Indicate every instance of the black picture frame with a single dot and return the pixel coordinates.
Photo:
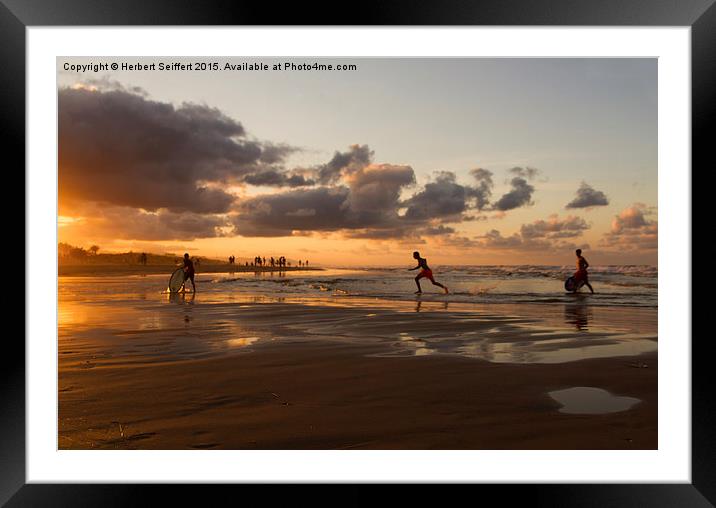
(700, 15)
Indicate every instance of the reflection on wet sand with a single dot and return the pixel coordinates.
(586, 400)
(181, 297)
(234, 369)
(139, 327)
(442, 305)
(578, 314)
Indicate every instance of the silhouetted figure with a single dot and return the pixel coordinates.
(189, 271)
(424, 272)
(581, 274)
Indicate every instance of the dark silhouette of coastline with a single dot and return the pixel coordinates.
(117, 269)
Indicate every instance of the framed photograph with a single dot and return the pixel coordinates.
(442, 244)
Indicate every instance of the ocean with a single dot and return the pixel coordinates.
(631, 285)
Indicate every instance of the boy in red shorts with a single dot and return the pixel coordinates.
(424, 272)
(581, 274)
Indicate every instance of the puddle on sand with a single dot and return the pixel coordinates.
(590, 401)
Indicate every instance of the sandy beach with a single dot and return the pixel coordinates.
(236, 368)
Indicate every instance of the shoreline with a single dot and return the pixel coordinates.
(112, 270)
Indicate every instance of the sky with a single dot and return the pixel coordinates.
(469, 161)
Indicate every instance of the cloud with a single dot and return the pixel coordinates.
(367, 203)
(520, 195)
(151, 170)
(554, 227)
(439, 230)
(528, 172)
(278, 178)
(442, 199)
(356, 158)
(588, 197)
(632, 229)
(376, 188)
(540, 235)
(132, 224)
(317, 209)
(105, 83)
(631, 218)
(483, 191)
(384, 234)
(123, 149)
(493, 239)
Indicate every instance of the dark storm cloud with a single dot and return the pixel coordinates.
(439, 230)
(357, 157)
(278, 178)
(123, 149)
(483, 191)
(443, 198)
(588, 197)
(276, 153)
(368, 202)
(156, 171)
(377, 187)
(364, 201)
(520, 195)
(318, 209)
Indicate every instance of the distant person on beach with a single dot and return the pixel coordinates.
(581, 274)
(189, 271)
(424, 272)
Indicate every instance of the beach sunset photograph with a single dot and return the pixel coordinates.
(357, 253)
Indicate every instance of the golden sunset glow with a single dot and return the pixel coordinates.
(142, 168)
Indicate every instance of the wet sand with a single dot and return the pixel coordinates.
(240, 372)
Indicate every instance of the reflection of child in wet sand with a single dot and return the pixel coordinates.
(424, 272)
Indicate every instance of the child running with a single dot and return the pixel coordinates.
(425, 272)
